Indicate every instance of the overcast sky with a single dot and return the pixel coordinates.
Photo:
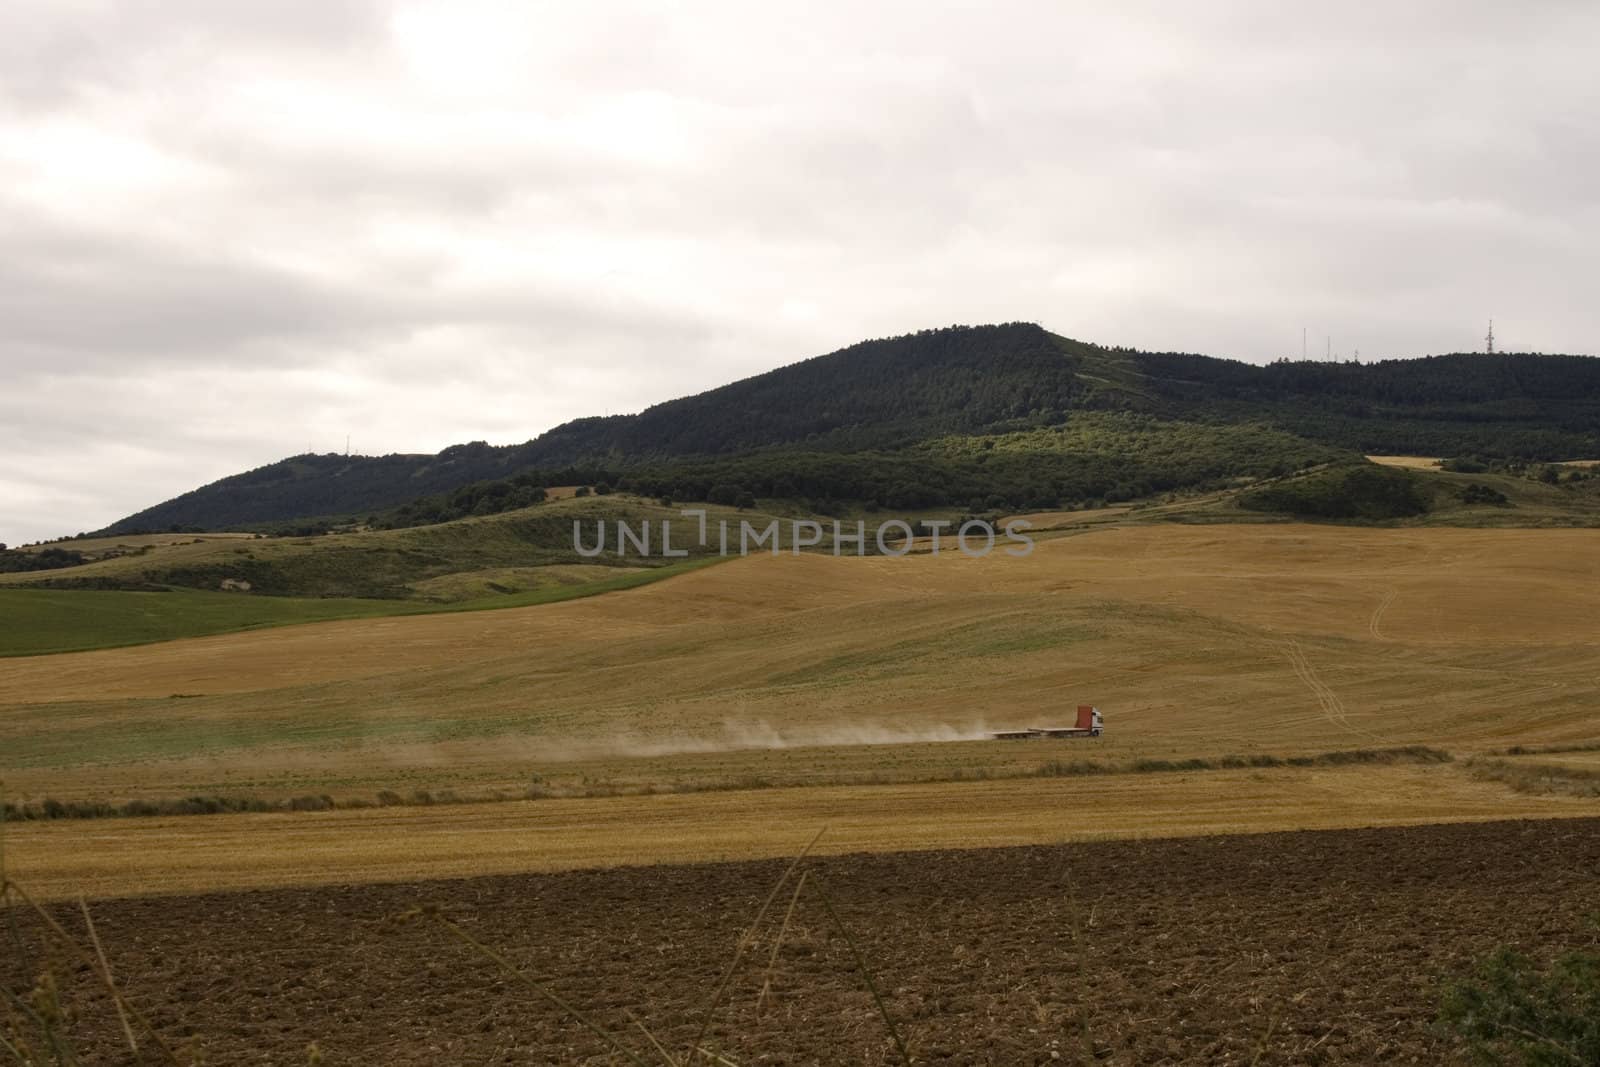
(235, 231)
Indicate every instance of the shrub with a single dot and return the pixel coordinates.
(1478, 493)
(45, 560)
(1354, 491)
(1512, 1011)
(1149, 766)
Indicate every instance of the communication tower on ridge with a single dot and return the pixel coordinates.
(1489, 340)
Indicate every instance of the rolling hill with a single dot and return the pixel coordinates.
(1204, 641)
(839, 421)
(135, 589)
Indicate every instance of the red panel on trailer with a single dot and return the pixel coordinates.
(1085, 716)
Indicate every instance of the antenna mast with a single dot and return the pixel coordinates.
(1489, 340)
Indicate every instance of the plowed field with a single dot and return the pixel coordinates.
(1297, 948)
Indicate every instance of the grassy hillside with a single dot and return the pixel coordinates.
(851, 426)
(1501, 500)
(155, 587)
(40, 621)
(139, 589)
(1409, 491)
(34, 621)
(135, 590)
(515, 550)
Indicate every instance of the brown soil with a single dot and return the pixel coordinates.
(1307, 948)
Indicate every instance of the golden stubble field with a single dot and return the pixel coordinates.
(1197, 641)
(191, 854)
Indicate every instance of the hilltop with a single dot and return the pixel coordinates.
(859, 423)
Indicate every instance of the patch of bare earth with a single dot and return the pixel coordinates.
(1302, 948)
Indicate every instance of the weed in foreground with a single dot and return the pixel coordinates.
(1510, 1010)
(35, 1024)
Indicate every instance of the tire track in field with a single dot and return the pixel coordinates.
(1333, 708)
(1374, 624)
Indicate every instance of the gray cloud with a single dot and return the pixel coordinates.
(232, 231)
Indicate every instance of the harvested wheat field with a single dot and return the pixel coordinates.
(863, 676)
(1281, 949)
(1416, 463)
(1197, 640)
(115, 857)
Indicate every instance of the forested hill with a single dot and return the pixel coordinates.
(877, 394)
(1512, 405)
(886, 396)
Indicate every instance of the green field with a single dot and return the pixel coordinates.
(38, 621)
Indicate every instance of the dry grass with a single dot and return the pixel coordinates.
(569, 786)
(1199, 642)
(561, 492)
(1056, 520)
(1415, 463)
(94, 546)
(174, 855)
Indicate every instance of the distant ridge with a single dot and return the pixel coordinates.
(893, 394)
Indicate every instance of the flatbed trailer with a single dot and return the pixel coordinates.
(1090, 724)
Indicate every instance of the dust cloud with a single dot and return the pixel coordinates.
(751, 736)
